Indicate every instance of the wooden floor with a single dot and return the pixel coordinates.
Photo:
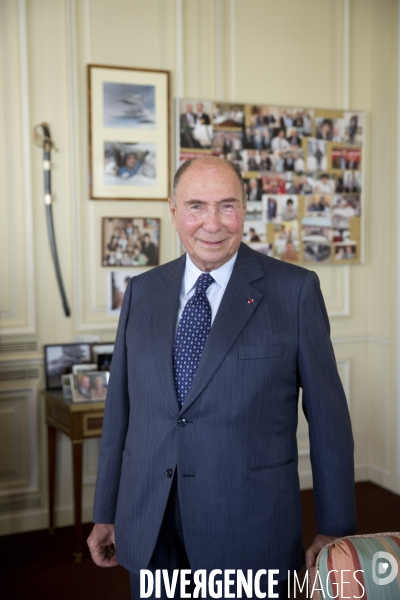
(37, 566)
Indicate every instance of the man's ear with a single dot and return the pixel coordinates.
(172, 210)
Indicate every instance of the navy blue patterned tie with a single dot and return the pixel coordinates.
(193, 329)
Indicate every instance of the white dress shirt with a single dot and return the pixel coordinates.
(214, 292)
(279, 143)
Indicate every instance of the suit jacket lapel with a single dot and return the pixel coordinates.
(232, 316)
(165, 312)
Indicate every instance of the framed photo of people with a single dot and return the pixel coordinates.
(128, 133)
(303, 170)
(130, 242)
(89, 386)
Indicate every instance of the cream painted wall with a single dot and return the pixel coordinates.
(272, 51)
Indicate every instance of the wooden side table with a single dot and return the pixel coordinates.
(80, 421)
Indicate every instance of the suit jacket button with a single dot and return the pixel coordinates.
(182, 422)
(168, 472)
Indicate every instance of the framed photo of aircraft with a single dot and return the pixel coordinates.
(128, 133)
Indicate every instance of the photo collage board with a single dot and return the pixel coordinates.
(302, 168)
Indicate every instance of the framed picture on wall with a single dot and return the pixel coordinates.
(128, 133)
(117, 282)
(130, 242)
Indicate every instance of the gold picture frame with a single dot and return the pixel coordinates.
(129, 133)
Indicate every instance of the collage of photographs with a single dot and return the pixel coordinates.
(302, 169)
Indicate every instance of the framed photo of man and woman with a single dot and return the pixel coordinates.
(128, 133)
(90, 386)
(303, 171)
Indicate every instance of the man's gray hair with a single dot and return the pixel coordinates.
(188, 163)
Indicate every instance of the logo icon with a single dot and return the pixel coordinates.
(381, 574)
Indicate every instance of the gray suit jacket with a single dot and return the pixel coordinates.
(236, 457)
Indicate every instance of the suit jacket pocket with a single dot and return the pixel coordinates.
(266, 351)
(284, 463)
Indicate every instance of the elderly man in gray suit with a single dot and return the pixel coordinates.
(198, 462)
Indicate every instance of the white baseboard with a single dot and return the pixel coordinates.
(387, 480)
(64, 516)
(23, 521)
(39, 519)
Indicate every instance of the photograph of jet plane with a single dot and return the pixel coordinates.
(129, 106)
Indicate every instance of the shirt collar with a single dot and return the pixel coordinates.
(220, 275)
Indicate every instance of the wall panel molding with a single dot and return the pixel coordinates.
(9, 311)
(362, 339)
(335, 285)
(19, 444)
(219, 51)
(397, 263)
(180, 65)
(20, 316)
(26, 146)
(232, 28)
(346, 54)
(74, 152)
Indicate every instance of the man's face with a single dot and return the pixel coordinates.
(130, 161)
(189, 108)
(209, 213)
(253, 184)
(85, 383)
(98, 383)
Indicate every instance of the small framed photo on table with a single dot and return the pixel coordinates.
(102, 356)
(59, 360)
(128, 133)
(66, 386)
(89, 386)
(83, 368)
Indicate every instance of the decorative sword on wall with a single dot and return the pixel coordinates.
(43, 139)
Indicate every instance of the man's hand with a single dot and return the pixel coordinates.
(311, 556)
(101, 544)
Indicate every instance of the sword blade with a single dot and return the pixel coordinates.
(52, 240)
